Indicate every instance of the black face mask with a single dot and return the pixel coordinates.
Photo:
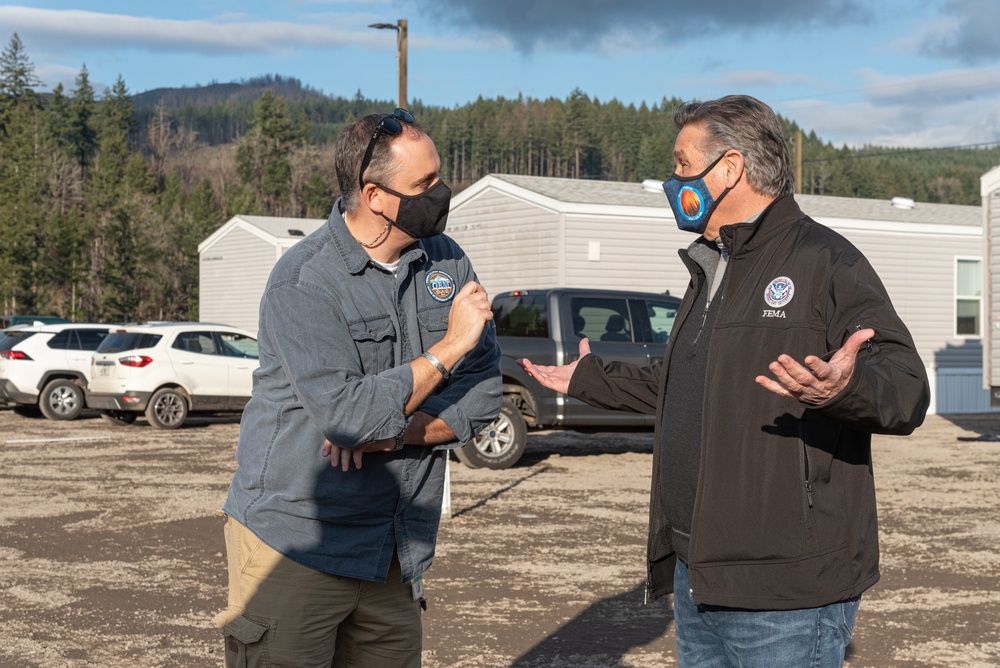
(424, 215)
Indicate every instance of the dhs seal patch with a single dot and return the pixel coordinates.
(440, 285)
(779, 292)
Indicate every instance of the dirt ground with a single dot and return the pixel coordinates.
(110, 554)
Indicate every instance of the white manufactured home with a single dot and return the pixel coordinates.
(990, 190)
(525, 232)
(235, 261)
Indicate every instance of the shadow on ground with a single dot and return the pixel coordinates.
(603, 634)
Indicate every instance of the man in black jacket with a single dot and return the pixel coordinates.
(762, 510)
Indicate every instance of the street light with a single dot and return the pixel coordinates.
(400, 28)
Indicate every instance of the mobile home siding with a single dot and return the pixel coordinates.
(513, 245)
(233, 273)
(635, 253)
(991, 232)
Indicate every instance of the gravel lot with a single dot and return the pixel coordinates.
(110, 554)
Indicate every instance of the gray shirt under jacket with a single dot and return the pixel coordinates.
(337, 334)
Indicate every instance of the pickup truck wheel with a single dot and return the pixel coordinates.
(500, 444)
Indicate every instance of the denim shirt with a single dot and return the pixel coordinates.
(337, 334)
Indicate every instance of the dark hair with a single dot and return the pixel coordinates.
(749, 126)
(351, 147)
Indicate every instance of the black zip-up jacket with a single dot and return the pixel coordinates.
(784, 514)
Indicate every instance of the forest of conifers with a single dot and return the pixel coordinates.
(105, 196)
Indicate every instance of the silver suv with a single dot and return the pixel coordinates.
(47, 367)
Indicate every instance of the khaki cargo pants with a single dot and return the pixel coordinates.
(284, 614)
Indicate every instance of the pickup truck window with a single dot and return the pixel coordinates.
(521, 315)
(661, 319)
(601, 319)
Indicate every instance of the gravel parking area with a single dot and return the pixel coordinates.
(110, 554)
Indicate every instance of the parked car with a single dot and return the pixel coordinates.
(169, 370)
(546, 326)
(11, 320)
(47, 367)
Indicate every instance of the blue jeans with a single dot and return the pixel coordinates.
(716, 637)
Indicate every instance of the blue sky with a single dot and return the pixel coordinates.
(918, 73)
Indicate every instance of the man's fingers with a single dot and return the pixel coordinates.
(327, 448)
(356, 453)
(856, 340)
(584, 347)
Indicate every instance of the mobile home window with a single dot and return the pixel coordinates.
(969, 298)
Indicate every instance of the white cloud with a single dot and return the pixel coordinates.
(73, 28)
(904, 125)
(939, 88)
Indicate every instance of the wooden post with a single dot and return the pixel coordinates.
(401, 30)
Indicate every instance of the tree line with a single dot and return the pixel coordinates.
(105, 198)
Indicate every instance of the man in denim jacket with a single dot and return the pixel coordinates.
(377, 350)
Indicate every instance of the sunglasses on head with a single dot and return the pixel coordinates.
(389, 125)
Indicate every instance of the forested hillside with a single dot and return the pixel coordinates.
(104, 196)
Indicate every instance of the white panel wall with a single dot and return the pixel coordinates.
(991, 206)
(233, 274)
(635, 253)
(513, 245)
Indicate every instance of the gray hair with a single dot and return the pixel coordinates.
(749, 126)
(351, 147)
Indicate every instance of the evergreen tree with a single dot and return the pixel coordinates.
(262, 158)
(82, 111)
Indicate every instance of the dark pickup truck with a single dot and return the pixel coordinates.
(546, 327)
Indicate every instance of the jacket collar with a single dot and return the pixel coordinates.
(774, 220)
(354, 256)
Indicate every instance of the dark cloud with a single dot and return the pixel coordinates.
(971, 36)
(577, 24)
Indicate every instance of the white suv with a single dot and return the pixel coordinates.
(169, 370)
(47, 367)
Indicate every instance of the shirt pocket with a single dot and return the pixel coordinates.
(433, 324)
(373, 338)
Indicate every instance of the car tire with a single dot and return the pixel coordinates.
(167, 409)
(500, 444)
(61, 399)
(119, 418)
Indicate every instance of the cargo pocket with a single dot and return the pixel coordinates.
(373, 338)
(246, 643)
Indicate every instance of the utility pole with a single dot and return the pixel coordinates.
(401, 27)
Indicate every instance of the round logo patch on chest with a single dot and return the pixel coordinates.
(440, 285)
(779, 292)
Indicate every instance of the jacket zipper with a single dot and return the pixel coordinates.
(807, 487)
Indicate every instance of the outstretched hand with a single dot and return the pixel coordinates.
(817, 382)
(555, 377)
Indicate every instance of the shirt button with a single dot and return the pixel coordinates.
(399, 519)
(406, 476)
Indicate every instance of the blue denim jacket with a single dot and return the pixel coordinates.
(336, 336)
